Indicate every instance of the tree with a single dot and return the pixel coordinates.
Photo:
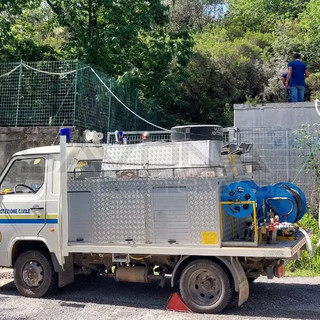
(190, 60)
(194, 15)
(123, 38)
(223, 72)
(129, 40)
(29, 32)
(309, 34)
(262, 15)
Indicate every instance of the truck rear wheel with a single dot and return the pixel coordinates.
(206, 287)
(34, 275)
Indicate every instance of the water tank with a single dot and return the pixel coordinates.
(196, 133)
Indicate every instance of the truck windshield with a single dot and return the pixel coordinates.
(24, 176)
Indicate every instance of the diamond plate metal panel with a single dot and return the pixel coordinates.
(124, 208)
(204, 208)
(121, 209)
(162, 155)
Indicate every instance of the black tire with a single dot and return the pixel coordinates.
(34, 275)
(206, 287)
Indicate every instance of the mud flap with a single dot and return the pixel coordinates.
(66, 276)
(243, 292)
(242, 281)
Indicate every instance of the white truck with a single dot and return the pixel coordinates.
(137, 213)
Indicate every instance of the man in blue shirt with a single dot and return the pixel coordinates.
(297, 71)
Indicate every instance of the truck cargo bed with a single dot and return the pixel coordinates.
(280, 249)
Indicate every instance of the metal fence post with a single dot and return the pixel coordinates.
(75, 94)
(19, 92)
(109, 109)
(288, 154)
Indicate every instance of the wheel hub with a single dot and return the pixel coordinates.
(208, 284)
(206, 288)
(32, 274)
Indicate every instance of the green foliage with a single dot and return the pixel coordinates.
(195, 15)
(307, 265)
(127, 39)
(130, 40)
(190, 60)
(222, 72)
(274, 90)
(286, 41)
(310, 26)
(253, 100)
(313, 81)
(29, 32)
(262, 15)
(307, 140)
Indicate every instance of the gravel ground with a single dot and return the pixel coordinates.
(101, 298)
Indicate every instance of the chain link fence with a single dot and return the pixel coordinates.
(276, 157)
(66, 93)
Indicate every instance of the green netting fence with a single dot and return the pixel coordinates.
(67, 93)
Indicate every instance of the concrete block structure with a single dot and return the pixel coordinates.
(275, 115)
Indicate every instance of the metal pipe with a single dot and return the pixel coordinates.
(75, 94)
(19, 92)
(308, 241)
(315, 247)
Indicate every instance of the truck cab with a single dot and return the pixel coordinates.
(29, 201)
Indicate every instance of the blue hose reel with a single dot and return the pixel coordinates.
(237, 192)
(283, 199)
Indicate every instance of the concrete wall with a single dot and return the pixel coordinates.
(13, 139)
(275, 115)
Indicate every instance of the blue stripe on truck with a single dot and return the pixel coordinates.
(11, 221)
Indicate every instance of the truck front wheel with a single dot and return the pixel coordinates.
(33, 274)
(206, 287)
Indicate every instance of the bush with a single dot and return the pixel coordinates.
(307, 265)
(314, 84)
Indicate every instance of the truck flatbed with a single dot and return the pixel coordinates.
(280, 249)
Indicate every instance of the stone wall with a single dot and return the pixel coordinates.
(14, 139)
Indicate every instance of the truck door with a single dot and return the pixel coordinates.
(22, 198)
